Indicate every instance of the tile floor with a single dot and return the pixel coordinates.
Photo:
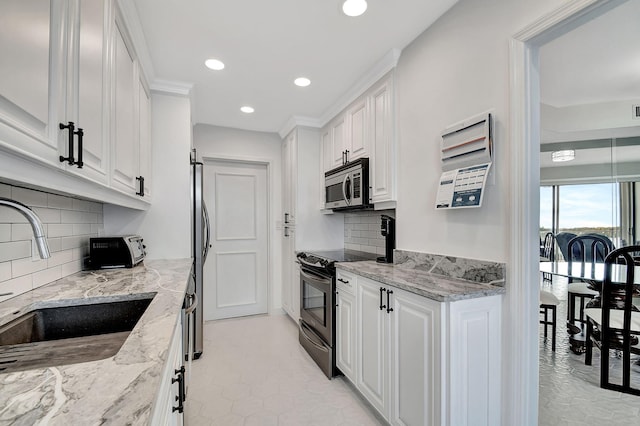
(254, 372)
(570, 392)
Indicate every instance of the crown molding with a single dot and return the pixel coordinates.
(171, 87)
(388, 62)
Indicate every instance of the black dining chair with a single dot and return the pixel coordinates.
(562, 240)
(547, 254)
(586, 250)
(616, 324)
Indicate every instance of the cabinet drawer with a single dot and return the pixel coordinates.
(346, 281)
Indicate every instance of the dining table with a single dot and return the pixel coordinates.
(593, 274)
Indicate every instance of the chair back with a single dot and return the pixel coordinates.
(617, 293)
(548, 247)
(563, 239)
(589, 248)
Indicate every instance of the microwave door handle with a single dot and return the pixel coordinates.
(344, 189)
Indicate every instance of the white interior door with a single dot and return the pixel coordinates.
(236, 271)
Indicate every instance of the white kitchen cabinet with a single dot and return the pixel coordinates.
(32, 69)
(382, 166)
(290, 284)
(415, 356)
(372, 337)
(144, 136)
(346, 324)
(419, 361)
(356, 143)
(338, 141)
(165, 410)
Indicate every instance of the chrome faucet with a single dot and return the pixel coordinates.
(34, 221)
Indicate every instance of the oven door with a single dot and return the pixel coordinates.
(316, 303)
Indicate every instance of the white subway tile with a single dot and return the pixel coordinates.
(9, 215)
(26, 266)
(71, 216)
(81, 229)
(14, 250)
(5, 190)
(380, 250)
(16, 286)
(55, 244)
(352, 246)
(71, 267)
(77, 253)
(362, 226)
(97, 229)
(47, 215)
(47, 276)
(21, 232)
(368, 249)
(59, 202)
(5, 232)
(71, 242)
(60, 230)
(29, 197)
(60, 257)
(5, 271)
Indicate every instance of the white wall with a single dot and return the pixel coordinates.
(228, 143)
(166, 226)
(456, 69)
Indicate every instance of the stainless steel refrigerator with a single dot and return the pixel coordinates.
(200, 239)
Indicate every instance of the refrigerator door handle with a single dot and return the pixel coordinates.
(207, 228)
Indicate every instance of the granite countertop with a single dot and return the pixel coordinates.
(427, 284)
(117, 390)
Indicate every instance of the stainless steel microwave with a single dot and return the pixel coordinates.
(347, 186)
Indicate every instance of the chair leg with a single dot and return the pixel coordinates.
(588, 344)
(553, 329)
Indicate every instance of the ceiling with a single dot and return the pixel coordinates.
(597, 62)
(265, 45)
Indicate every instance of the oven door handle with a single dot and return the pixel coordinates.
(194, 303)
(316, 278)
(304, 327)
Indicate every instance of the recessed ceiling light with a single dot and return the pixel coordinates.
(354, 7)
(302, 81)
(564, 155)
(247, 109)
(214, 64)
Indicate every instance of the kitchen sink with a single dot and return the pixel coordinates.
(69, 334)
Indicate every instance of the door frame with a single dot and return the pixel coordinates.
(520, 379)
(270, 185)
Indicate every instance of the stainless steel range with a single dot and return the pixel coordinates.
(317, 303)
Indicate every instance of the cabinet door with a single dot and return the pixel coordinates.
(338, 130)
(168, 391)
(144, 125)
(357, 138)
(125, 146)
(382, 170)
(89, 92)
(327, 150)
(31, 87)
(415, 345)
(346, 334)
(372, 346)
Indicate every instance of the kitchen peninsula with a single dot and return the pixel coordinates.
(117, 390)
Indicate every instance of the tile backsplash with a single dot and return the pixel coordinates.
(68, 225)
(362, 230)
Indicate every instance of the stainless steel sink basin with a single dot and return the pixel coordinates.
(69, 334)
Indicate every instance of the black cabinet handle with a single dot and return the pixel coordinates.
(343, 281)
(286, 218)
(346, 156)
(381, 305)
(389, 308)
(71, 127)
(286, 231)
(80, 134)
(180, 397)
(141, 180)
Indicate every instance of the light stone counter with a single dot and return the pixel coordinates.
(428, 284)
(119, 390)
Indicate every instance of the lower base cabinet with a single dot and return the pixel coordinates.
(418, 361)
(169, 405)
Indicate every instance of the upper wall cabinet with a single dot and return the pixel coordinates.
(367, 129)
(71, 89)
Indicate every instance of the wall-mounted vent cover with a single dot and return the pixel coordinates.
(636, 112)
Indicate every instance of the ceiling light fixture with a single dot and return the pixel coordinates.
(302, 81)
(564, 155)
(214, 64)
(354, 7)
(247, 109)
